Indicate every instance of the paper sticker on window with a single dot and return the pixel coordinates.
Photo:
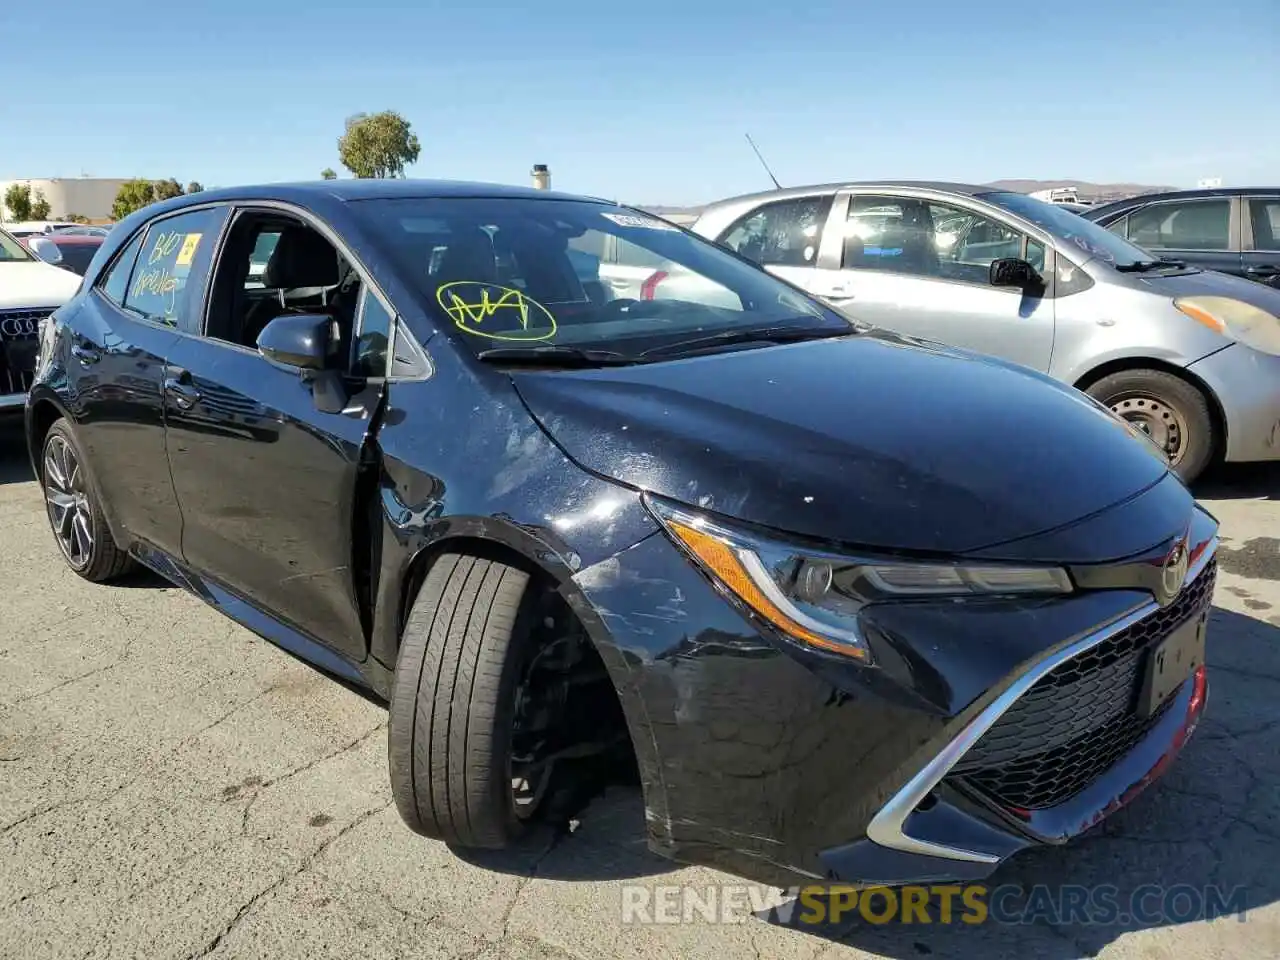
(632, 220)
(495, 312)
(188, 251)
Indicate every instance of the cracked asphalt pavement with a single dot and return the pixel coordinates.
(172, 786)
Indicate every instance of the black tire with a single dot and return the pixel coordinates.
(1126, 392)
(453, 700)
(103, 560)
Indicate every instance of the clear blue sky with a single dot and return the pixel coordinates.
(648, 101)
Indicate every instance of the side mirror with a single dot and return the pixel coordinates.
(298, 340)
(1014, 272)
(46, 250)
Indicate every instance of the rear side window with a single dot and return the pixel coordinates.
(1184, 225)
(1265, 214)
(166, 284)
(116, 282)
(786, 233)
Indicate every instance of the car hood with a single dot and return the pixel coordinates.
(1210, 283)
(35, 284)
(874, 440)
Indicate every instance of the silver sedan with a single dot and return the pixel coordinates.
(1191, 357)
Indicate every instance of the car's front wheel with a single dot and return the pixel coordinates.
(1168, 409)
(454, 730)
(74, 513)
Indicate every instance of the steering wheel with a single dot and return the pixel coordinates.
(630, 307)
(612, 309)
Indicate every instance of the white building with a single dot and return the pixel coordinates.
(90, 197)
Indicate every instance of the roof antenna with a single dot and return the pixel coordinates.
(762, 163)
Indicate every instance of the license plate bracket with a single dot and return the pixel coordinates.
(1169, 665)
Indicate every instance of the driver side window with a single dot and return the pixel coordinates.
(968, 242)
(273, 265)
(373, 339)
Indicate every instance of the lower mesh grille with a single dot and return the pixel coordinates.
(1080, 718)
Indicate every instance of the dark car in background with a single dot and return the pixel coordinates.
(834, 593)
(72, 251)
(1234, 230)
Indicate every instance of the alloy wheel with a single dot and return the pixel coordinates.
(1159, 420)
(66, 494)
(539, 702)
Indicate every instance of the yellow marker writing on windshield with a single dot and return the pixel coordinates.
(469, 304)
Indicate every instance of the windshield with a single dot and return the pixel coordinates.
(569, 274)
(1091, 239)
(11, 249)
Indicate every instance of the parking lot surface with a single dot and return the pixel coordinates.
(173, 786)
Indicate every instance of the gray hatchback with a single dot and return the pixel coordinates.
(1191, 357)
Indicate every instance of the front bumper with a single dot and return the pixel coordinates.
(787, 766)
(1247, 385)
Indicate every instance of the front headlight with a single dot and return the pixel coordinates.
(1236, 319)
(814, 596)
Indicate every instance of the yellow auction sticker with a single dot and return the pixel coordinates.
(188, 251)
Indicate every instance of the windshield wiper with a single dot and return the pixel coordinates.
(555, 355)
(1142, 266)
(785, 334)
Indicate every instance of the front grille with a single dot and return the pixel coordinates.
(19, 344)
(1080, 718)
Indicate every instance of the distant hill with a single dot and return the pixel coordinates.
(1094, 192)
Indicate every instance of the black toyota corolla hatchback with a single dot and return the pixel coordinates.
(559, 480)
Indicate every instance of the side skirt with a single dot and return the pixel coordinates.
(370, 680)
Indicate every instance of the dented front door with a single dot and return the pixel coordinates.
(267, 482)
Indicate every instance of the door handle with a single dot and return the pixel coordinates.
(86, 355)
(183, 394)
(1263, 270)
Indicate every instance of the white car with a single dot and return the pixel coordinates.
(30, 290)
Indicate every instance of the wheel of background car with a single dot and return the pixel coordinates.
(454, 701)
(1173, 412)
(79, 527)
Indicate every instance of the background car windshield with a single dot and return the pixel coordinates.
(1087, 236)
(11, 249)
(520, 272)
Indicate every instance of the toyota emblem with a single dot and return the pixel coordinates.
(1173, 573)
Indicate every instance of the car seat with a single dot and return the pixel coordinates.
(303, 272)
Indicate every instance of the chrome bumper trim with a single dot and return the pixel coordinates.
(887, 828)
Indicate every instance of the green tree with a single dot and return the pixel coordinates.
(18, 201)
(328, 174)
(168, 189)
(41, 209)
(76, 218)
(132, 195)
(377, 145)
(195, 186)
